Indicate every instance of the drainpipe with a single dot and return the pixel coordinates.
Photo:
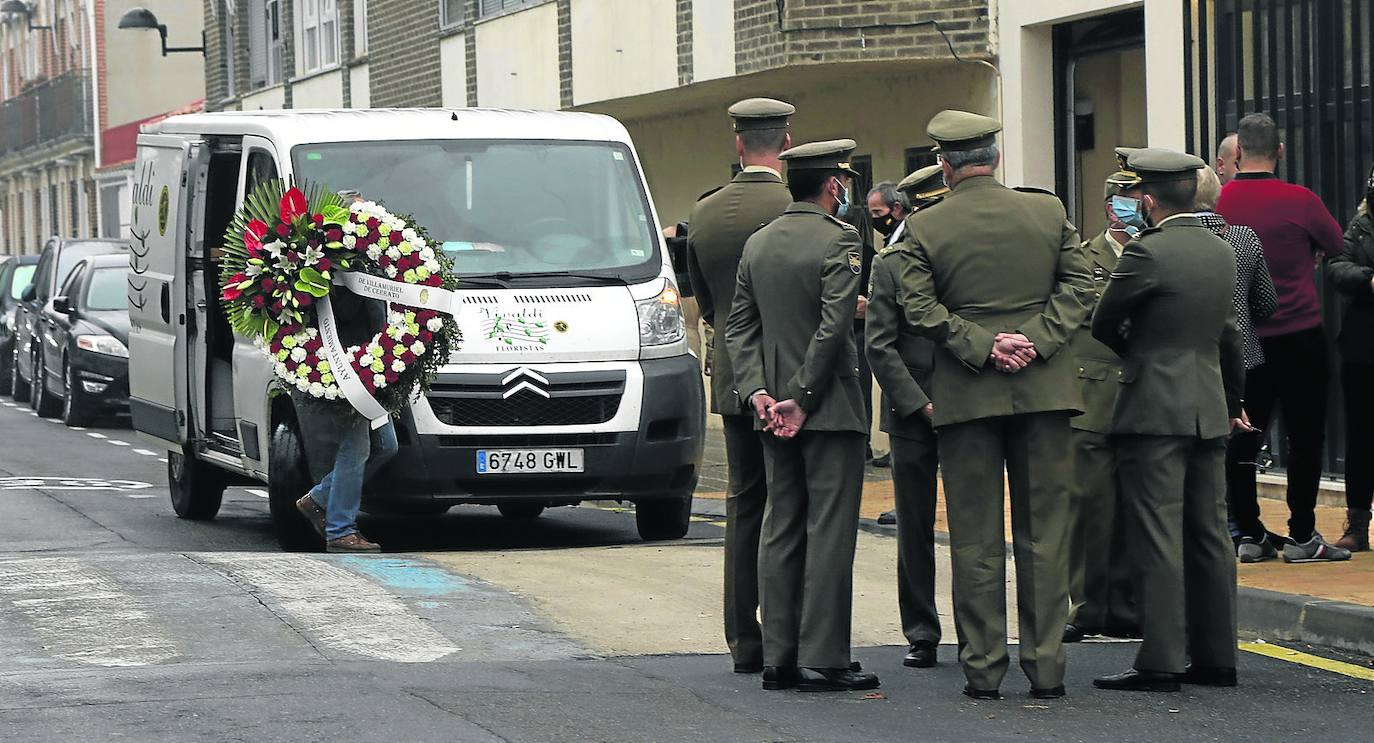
(95, 110)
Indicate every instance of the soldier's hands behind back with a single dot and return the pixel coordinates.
(786, 419)
(1011, 352)
(763, 405)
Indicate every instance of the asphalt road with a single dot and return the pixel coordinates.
(120, 622)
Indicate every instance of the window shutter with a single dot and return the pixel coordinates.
(491, 6)
(257, 43)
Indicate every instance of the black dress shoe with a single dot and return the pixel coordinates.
(1072, 633)
(1056, 692)
(835, 679)
(749, 667)
(973, 693)
(887, 518)
(1203, 676)
(884, 461)
(778, 677)
(1121, 632)
(921, 655)
(855, 666)
(1134, 680)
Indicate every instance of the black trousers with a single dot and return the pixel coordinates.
(743, 520)
(915, 462)
(1357, 382)
(1292, 379)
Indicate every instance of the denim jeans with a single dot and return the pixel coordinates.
(340, 493)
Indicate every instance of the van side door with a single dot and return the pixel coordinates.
(167, 167)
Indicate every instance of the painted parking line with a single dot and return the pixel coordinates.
(1278, 652)
(96, 435)
(145, 452)
(117, 442)
(258, 492)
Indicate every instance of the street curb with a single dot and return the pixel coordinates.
(1260, 612)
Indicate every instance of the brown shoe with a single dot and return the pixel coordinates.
(1356, 537)
(352, 543)
(312, 513)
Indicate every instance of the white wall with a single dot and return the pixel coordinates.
(517, 59)
(453, 71)
(324, 90)
(360, 86)
(267, 98)
(713, 39)
(622, 48)
(139, 81)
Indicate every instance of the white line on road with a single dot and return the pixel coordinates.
(95, 435)
(334, 607)
(162, 459)
(117, 442)
(78, 428)
(145, 452)
(258, 492)
(81, 615)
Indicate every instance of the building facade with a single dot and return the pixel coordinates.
(73, 91)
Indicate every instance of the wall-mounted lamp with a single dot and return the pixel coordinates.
(19, 7)
(142, 18)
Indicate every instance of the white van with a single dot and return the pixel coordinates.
(573, 381)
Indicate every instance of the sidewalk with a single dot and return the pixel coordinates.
(1324, 603)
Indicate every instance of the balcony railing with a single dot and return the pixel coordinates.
(54, 109)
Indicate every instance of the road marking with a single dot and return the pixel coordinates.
(258, 492)
(721, 523)
(95, 435)
(78, 428)
(1279, 652)
(145, 452)
(117, 442)
(7, 404)
(69, 483)
(81, 615)
(162, 459)
(334, 607)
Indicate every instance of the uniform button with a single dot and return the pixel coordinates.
(1081, 370)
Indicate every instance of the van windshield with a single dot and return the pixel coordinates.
(505, 207)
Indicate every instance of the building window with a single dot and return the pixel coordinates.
(228, 47)
(54, 224)
(359, 28)
(73, 207)
(450, 13)
(319, 23)
(264, 43)
(919, 157)
(492, 7)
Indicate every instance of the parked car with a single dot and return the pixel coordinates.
(15, 273)
(55, 263)
(88, 323)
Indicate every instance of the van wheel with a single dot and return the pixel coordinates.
(520, 511)
(197, 488)
(288, 479)
(663, 519)
(19, 388)
(76, 411)
(46, 403)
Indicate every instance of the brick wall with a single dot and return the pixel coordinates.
(758, 41)
(684, 42)
(565, 61)
(403, 45)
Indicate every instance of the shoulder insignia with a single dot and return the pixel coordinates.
(709, 192)
(856, 262)
(890, 249)
(841, 222)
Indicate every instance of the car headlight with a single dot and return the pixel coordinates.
(660, 318)
(105, 344)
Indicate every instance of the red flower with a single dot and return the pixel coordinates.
(304, 300)
(383, 260)
(231, 293)
(434, 280)
(268, 284)
(283, 229)
(259, 301)
(407, 358)
(275, 346)
(291, 329)
(292, 204)
(323, 264)
(372, 223)
(313, 345)
(253, 233)
(394, 237)
(407, 339)
(426, 337)
(386, 341)
(314, 375)
(333, 234)
(391, 377)
(293, 256)
(318, 219)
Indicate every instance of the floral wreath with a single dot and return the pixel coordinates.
(284, 249)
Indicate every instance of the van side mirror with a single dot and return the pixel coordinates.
(62, 305)
(29, 294)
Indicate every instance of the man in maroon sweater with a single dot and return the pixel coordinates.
(1296, 231)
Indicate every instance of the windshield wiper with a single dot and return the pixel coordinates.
(602, 278)
(486, 281)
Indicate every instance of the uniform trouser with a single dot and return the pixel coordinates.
(866, 385)
(1185, 570)
(914, 465)
(743, 520)
(1034, 448)
(1100, 593)
(806, 551)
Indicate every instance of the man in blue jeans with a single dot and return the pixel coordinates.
(332, 506)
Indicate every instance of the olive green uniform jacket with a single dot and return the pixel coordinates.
(791, 328)
(719, 226)
(1099, 368)
(901, 359)
(990, 259)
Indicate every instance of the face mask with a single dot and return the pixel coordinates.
(842, 206)
(885, 225)
(1127, 212)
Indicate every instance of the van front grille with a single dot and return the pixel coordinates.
(525, 408)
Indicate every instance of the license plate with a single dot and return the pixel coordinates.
(528, 461)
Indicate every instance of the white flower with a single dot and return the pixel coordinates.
(394, 318)
(374, 252)
(409, 235)
(353, 350)
(313, 255)
(312, 333)
(252, 269)
(417, 348)
(432, 265)
(391, 272)
(365, 361)
(426, 254)
(298, 354)
(434, 325)
(398, 366)
(302, 384)
(350, 241)
(393, 252)
(378, 381)
(331, 392)
(282, 371)
(316, 389)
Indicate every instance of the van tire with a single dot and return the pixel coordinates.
(19, 388)
(287, 480)
(663, 519)
(45, 402)
(520, 511)
(197, 488)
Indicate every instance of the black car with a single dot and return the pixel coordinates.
(85, 372)
(15, 273)
(59, 257)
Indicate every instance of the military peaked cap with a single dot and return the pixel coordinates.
(955, 131)
(761, 113)
(1124, 177)
(924, 184)
(831, 154)
(1158, 165)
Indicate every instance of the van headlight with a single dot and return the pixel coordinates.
(660, 318)
(102, 344)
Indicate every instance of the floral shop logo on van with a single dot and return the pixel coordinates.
(163, 203)
(521, 330)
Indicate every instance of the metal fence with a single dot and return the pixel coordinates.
(1307, 63)
(52, 110)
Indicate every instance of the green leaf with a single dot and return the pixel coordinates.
(335, 215)
(312, 282)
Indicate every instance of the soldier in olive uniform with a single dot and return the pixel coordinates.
(790, 337)
(997, 278)
(901, 361)
(1168, 313)
(720, 223)
(1100, 595)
